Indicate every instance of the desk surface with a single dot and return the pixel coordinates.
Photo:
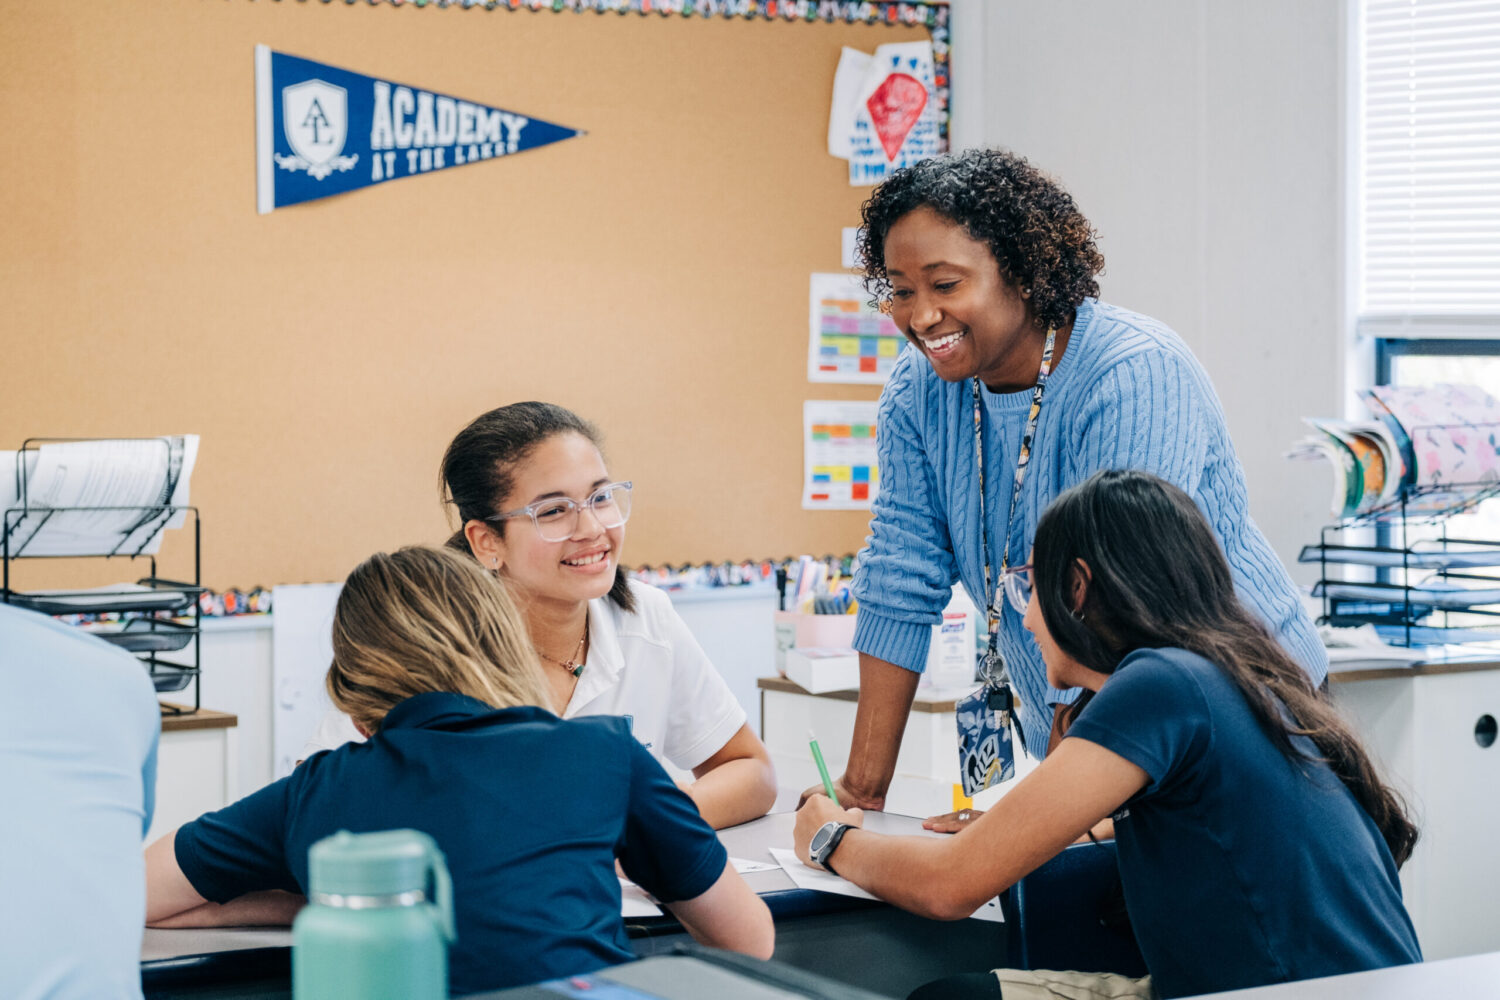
(921, 703)
(1453, 660)
(173, 949)
(1459, 978)
(203, 718)
(1444, 660)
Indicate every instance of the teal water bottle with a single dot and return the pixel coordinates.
(378, 921)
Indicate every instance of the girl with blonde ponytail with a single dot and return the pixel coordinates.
(432, 661)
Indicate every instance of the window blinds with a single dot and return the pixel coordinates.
(1429, 158)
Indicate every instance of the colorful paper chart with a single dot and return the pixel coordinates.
(848, 339)
(840, 470)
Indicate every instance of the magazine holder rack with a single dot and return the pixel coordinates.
(148, 633)
(1407, 613)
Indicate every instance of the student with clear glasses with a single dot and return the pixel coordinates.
(538, 508)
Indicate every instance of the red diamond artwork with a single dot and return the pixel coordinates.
(894, 108)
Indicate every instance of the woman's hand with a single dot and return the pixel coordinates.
(853, 797)
(952, 822)
(817, 810)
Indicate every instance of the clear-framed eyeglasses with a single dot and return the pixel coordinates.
(556, 518)
(1017, 581)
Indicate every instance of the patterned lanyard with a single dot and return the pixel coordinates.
(1023, 459)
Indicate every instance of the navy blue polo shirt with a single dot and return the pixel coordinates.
(530, 811)
(1240, 867)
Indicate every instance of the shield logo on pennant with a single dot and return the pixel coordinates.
(315, 118)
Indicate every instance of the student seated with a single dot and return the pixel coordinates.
(1256, 843)
(431, 661)
(539, 509)
(78, 733)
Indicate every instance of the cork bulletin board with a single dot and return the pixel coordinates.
(651, 274)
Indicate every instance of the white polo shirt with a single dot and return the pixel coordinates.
(644, 665)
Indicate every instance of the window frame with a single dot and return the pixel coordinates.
(1387, 349)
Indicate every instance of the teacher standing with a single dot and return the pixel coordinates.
(989, 269)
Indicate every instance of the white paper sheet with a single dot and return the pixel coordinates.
(849, 247)
(301, 649)
(814, 878)
(822, 881)
(848, 80)
(151, 472)
(634, 902)
(745, 867)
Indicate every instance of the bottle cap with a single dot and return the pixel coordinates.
(373, 864)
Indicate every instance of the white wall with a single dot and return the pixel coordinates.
(1205, 141)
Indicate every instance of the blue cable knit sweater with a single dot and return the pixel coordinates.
(1127, 393)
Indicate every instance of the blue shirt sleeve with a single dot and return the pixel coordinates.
(907, 569)
(1153, 713)
(242, 847)
(667, 849)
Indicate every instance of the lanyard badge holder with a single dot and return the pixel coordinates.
(986, 755)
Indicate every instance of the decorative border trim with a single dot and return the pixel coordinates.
(930, 14)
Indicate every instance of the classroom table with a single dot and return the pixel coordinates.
(696, 974)
(862, 942)
(1475, 976)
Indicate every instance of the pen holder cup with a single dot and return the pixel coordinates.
(798, 630)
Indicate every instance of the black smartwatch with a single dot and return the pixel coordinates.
(826, 841)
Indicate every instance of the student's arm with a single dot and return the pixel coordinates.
(737, 784)
(171, 900)
(669, 851)
(728, 915)
(1078, 785)
(885, 696)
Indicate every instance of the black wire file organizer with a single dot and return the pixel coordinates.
(1428, 587)
(157, 619)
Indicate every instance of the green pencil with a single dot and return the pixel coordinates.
(812, 741)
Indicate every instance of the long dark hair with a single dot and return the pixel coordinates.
(479, 467)
(1158, 578)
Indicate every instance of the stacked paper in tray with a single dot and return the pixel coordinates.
(1400, 613)
(1420, 437)
(92, 498)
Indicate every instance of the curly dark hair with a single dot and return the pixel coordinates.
(1037, 234)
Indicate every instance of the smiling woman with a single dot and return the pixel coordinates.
(540, 510)
(1022, 385)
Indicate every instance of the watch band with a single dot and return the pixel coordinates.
(836, 838)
